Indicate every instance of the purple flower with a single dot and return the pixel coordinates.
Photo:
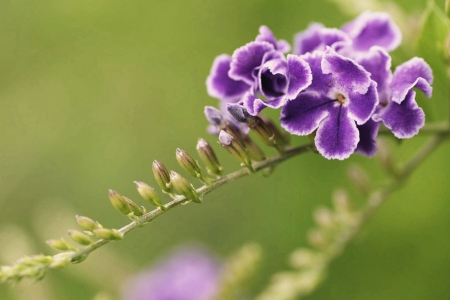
(318, 37)
(188, 274)
(278, 79)
(266, 35)
(219, 85)
(401, 114)
(373, 29)
(340, 96)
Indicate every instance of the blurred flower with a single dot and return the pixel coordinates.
(186, 274)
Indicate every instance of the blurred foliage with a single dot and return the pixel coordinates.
(91, 91)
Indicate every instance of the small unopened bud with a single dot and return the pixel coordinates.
(253, 150)
(255, 123)
(341, 201)
(324, 217)
(317, 238)
(133, 207)
(148, 193)
(214, 116)
(188, 163)
(162, 176)
(79, 237)
(87, 223)
(59, 244)
(119, 203)
(183, 187)
(303, 257)
(282, 139)
(235, 149)
(108, 234)
(359, 178)
(209, 158)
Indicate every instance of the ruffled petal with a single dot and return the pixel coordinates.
(378, 63)
(321, 82)
(317, 37)
(219, 85)
(273, 78)
(266, 35)
(337, 136)
(373, 29)
(254, 105)
(348, 76)
(362, 106)
(300, 76)
(415, 73)
(404, 119)
(303, 115)
(367, 138)
(246, 58)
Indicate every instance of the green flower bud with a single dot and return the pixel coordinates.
(184, 187)
(188, 163)
(282, 139)
(133, 207)
(253, 150)
(108, 234)
(162, 176)
(59, 244)
(235, 149)
(209, 158)
(87, 223)
(148, 193)
(119, 203)
(79, 237)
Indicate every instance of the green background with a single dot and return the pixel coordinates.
(92, 91)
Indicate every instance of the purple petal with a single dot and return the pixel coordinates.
(273, 80)
(348, 76)
(246, 58)
(378, 63)
(373, 29)
(415, 73)
(321, 82)
(367, 138)
(404, 119)
(220, 85)
(303, 115)
(300, 76)
(361, 107)
(266, 35)
(337, 136)
(317, 37)
(254, 105)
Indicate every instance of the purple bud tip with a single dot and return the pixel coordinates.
(225, 137)
(202, 143)
(137, 183)
(112, 192)
(238, 112)
(213, 115)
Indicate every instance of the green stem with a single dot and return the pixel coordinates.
(150, 216)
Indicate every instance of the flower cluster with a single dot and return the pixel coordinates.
(337, 84)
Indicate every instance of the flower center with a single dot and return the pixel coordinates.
(341, 98)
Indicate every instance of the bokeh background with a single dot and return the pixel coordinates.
(92, 91)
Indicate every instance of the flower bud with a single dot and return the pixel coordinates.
(108, 234)
(59, 244)
(235, 149)
(188, 163)
(79, 237)
(209, 158)
(133, 207)
(119, 203)
(253, 150)
(214, 116)
(148, 193)
(162, 176)
(255, 123)
(184, 187)
(87, 223)
(359, 178)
